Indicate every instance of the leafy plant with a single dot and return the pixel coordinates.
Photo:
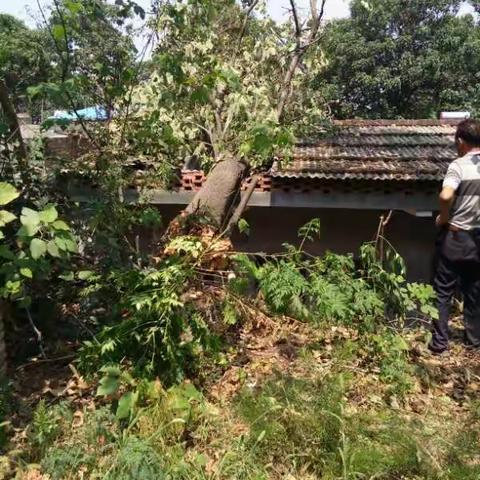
(45, 426)
(39, 245)
(160, 330)
(135, 459)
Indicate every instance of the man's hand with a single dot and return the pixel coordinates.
(441, 221)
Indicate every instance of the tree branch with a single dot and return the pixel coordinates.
(249, 11)
(296, 21)
(13, 124)
(242, 205)
(66, 66)
(316, 17)
(300, 50)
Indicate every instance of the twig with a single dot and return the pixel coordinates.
(130, 93)
(251, 8)
(296, 21)
(14, 126)
(243, 204)
(46, 360)
(300, 50)
(37, 332)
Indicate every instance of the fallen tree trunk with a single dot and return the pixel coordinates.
(217, 196)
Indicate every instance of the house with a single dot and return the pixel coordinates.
(358, 172)
(349, 179)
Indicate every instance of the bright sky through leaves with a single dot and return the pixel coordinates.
(22, 8)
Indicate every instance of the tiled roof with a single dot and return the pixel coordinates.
(375, 150)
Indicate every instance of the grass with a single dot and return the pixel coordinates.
(329, 417)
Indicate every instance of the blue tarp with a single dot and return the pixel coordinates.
(90, 113)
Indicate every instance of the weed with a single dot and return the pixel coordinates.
(63, 462)
(294, 422)
(47, 425)
(136, 459)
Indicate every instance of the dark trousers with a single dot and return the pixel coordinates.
(457, 267)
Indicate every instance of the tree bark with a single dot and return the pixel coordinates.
(13, 124)
(3, 348)
(217, 196)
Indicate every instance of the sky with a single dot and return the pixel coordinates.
(26, 9)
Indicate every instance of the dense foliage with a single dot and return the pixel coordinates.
(217, 79)
(392, 60)
(25, 57)
(93, 53)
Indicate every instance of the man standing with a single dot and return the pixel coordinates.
(458, 247)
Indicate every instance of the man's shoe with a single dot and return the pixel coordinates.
(437, 350)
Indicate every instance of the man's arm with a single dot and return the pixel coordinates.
(446, 198)
(452, 181)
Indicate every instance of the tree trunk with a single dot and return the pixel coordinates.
(217, 196)
(3, 347)
(13, 124)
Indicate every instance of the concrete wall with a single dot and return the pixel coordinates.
(343, 231)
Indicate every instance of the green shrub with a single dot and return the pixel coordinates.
(157, 329)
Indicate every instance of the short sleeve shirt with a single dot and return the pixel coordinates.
(463, 176)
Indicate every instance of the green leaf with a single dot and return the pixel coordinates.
(200, 95)
(66, 244)
(6, 217)
(8, 193)
(38, 248)
(85, 274)
(74, 7)
(243, 226)
(28, 230)
(30, 219)
(13, 288)
(126, 404)
(111, 370)
(60, 243)
(60, 225)
(52, 249)
(108, 386)
(6, 253)
(67, 276)
(71, 246)
(49, 214)
(26, 272)
(58, 32)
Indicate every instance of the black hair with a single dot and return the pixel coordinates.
(469, 132)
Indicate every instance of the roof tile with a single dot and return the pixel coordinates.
(375, 150)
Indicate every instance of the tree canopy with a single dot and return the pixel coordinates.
(93, 50)
(24, 56)
(219, 76)
(393, 60)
